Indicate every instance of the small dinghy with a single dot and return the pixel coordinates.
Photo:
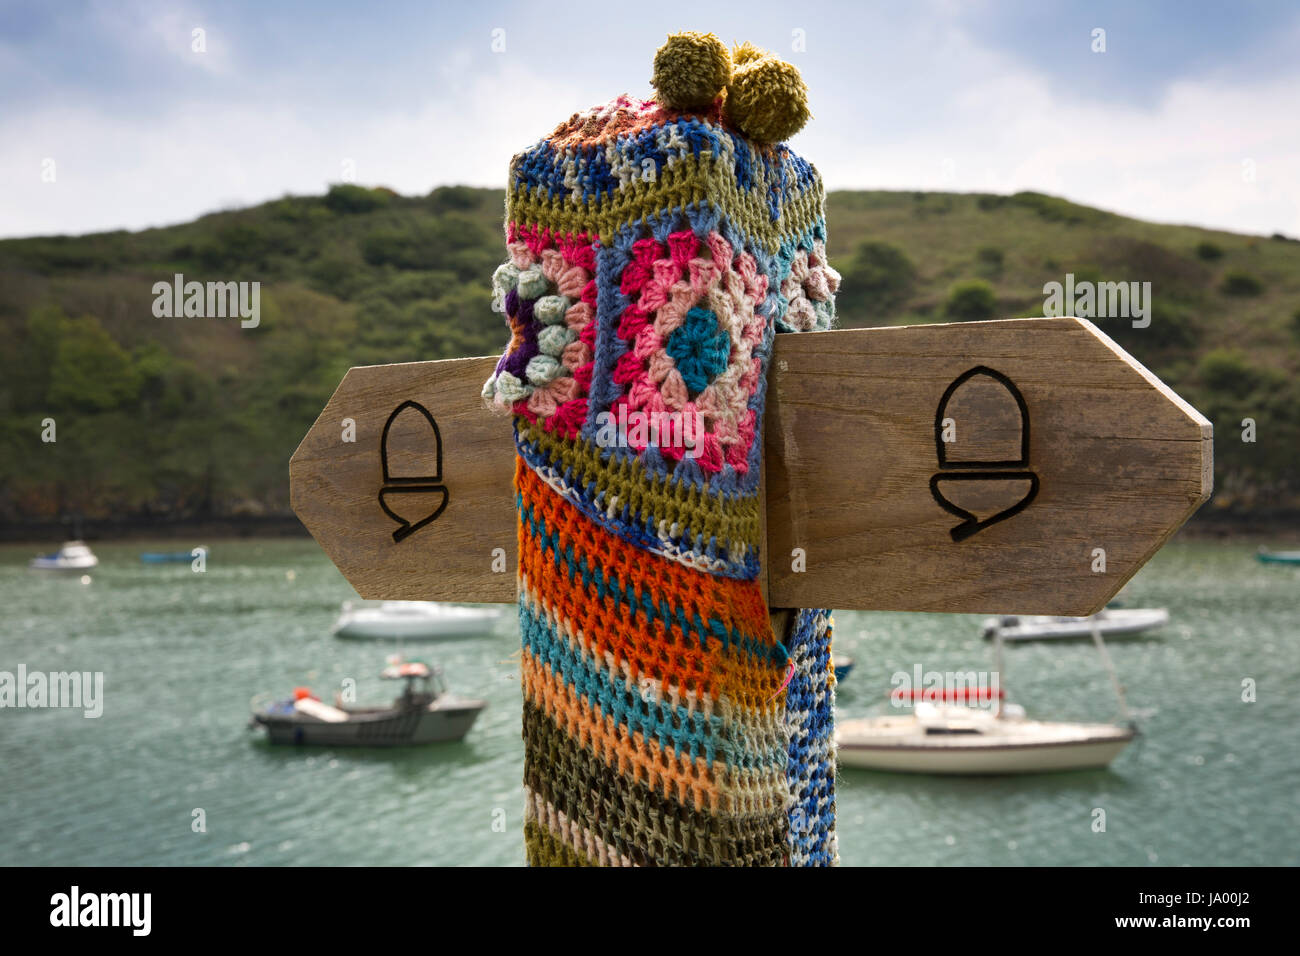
(425, 713)
(169, 557)
(1110, 622)
(414, 621)
(1278, 557)
(73, 556)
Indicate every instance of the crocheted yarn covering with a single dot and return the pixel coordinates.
(653, 255)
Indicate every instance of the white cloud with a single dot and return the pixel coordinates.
(114, 172)
(1001, 126)
(1181, 161)
(165, 31)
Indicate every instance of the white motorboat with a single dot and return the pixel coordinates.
(414, 621)
(425, 714)
(73, 556)
(947, 738)
(1109, 622)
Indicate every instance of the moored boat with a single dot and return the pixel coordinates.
(1278, 557)
(426, 712)
(72, 556)
(970, 729)
(1109, 622)
(414, 621)
(951, 738)
(169, 557)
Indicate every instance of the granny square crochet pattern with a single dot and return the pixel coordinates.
(654, 253)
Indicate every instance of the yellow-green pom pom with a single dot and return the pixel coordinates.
(767, 99)
(745, 52)
(690, 70)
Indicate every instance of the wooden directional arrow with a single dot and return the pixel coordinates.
(1026, 466)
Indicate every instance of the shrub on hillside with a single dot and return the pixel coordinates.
(338, 270)
(1124, 258)
(877, 280)
(451, 241)
(454, 198)
(990, 260)
(1055, 209)
(91, 372)
(51, 254)
(1173, 329)
(1229, 372)
(346, 198)
(971, 301)
(1209, 251)
(1241, 283)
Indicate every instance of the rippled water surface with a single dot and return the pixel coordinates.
(1212, 780)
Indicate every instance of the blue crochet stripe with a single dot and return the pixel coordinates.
(585, 171)
(567, 560)
(810, 722)
(675, 728)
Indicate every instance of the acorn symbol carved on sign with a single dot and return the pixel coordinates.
(410, 451)
(981, 433)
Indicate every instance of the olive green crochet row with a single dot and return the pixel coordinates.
(651, 497)
(689, 181)
(545, 849)
(646, 824)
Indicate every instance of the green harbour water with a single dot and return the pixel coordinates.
(1212, 780)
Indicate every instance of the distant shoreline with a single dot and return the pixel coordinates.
(1281, 526)
(155, 529)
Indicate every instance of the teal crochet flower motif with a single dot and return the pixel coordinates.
(700, 349)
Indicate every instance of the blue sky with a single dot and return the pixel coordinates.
(1188, 116)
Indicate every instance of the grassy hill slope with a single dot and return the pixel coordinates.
(197, 417)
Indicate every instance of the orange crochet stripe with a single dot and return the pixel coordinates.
(693, 734)
(625, 115)
(655, 645)
(761, 729)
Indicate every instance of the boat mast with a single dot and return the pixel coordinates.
(997, 659)
(1110, 669)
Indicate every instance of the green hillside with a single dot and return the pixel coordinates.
(197, 417)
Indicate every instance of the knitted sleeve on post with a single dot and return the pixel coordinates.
(654, 253)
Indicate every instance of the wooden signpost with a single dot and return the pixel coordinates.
(1025, 466)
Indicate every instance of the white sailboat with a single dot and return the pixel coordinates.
(974, 732)
(957, 739)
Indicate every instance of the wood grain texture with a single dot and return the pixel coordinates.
(334, 485)
(1121, 462)
(850, 450)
